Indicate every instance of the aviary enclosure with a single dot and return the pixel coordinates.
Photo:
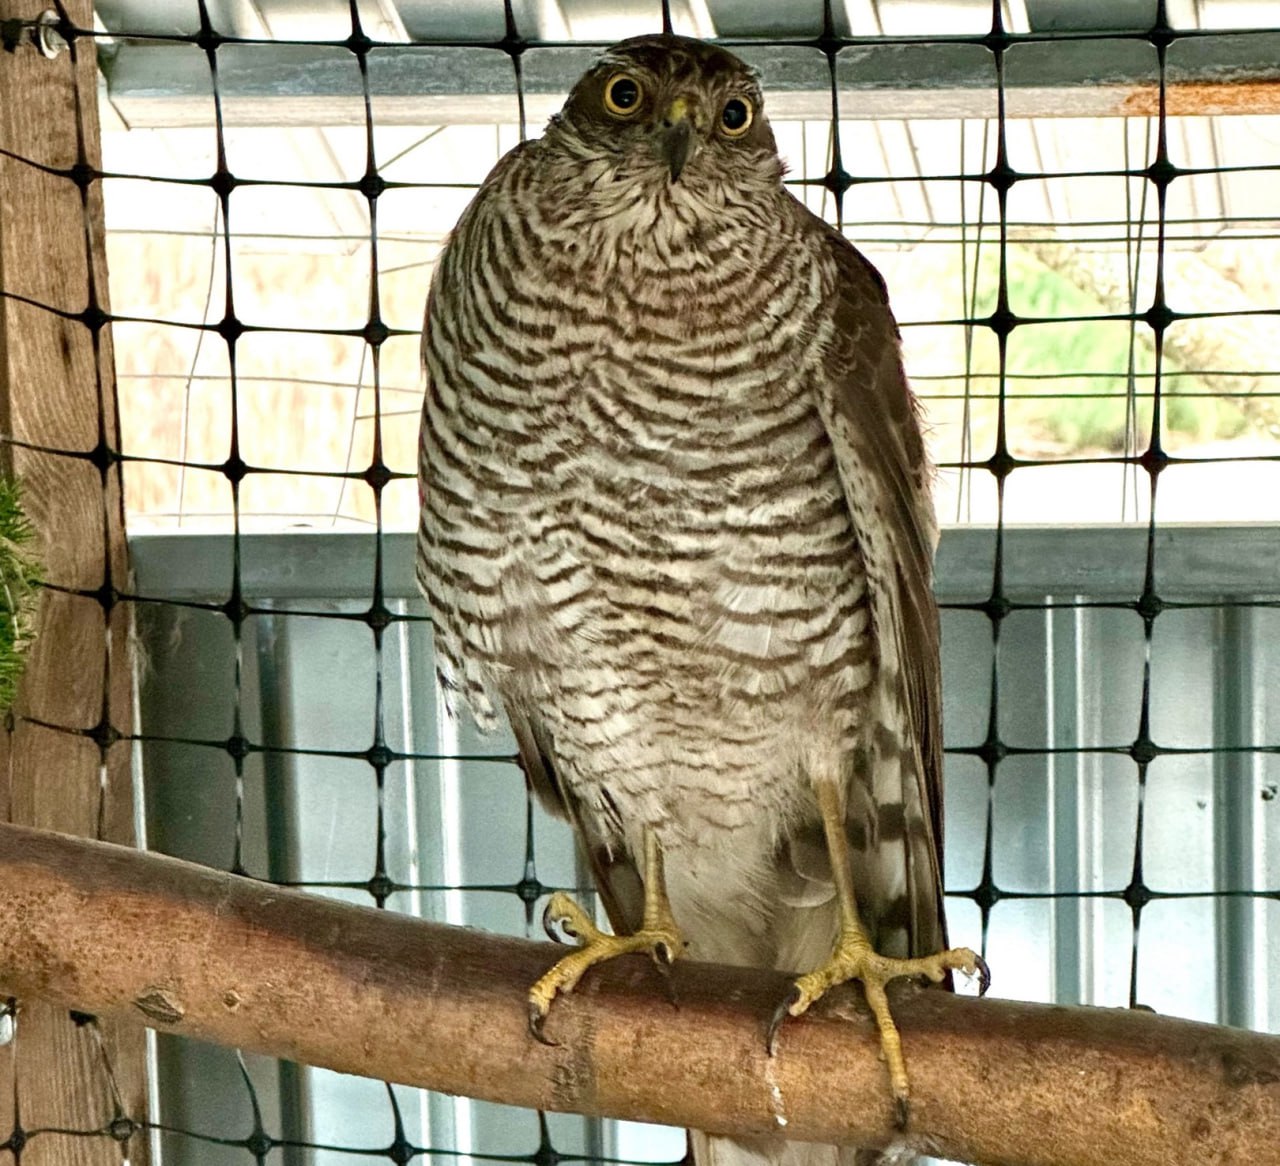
(218, 222)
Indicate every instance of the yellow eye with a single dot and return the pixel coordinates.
(736, 117)
(622, 94)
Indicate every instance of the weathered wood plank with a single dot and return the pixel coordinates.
(57, 394)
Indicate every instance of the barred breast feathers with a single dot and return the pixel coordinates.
(671, 373)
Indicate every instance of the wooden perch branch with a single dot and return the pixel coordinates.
(188, 950)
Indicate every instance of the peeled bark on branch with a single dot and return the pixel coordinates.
(116, 932)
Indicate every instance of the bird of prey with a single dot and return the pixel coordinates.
(676, 524)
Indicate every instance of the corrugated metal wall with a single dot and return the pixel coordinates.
(1051, 842)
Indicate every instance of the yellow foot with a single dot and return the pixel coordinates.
(660, 937)
(855, 959)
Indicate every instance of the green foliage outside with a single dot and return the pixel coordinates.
(1094, 420)
(20, 578)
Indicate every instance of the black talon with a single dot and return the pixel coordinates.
(779, 1015)
(558, 928)
(663, 954)
(537, 1025)
(549, 925)
(901, 1112)
(669, 985)
(984, 976)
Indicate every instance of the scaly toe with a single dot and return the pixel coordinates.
(858, 963)
(663, 942)
(958, 959)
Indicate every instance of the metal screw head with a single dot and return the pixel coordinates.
(48, 37)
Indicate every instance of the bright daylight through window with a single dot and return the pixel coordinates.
(1080, 243)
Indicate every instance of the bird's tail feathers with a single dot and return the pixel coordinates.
(712, 1150)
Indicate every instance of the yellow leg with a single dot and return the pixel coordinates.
(658, 935)
(854, 958)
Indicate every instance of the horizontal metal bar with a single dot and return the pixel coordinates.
(301, 565)
(162, 84)
(1192, 562)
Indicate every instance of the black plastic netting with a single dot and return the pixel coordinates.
(1104, 340)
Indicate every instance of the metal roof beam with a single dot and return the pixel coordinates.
(163, 84)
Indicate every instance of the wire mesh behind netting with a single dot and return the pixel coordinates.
(1083, 261)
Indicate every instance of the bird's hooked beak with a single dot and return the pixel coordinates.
(678, 136)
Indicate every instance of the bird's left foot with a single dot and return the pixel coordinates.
(659, 936)
(855, 959)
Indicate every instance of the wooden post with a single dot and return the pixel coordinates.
(62, 764)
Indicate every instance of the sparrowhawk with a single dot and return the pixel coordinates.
(676, 524)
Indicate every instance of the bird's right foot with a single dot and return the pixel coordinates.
(660, 937)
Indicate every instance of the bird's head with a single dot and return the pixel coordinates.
(671, 110)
